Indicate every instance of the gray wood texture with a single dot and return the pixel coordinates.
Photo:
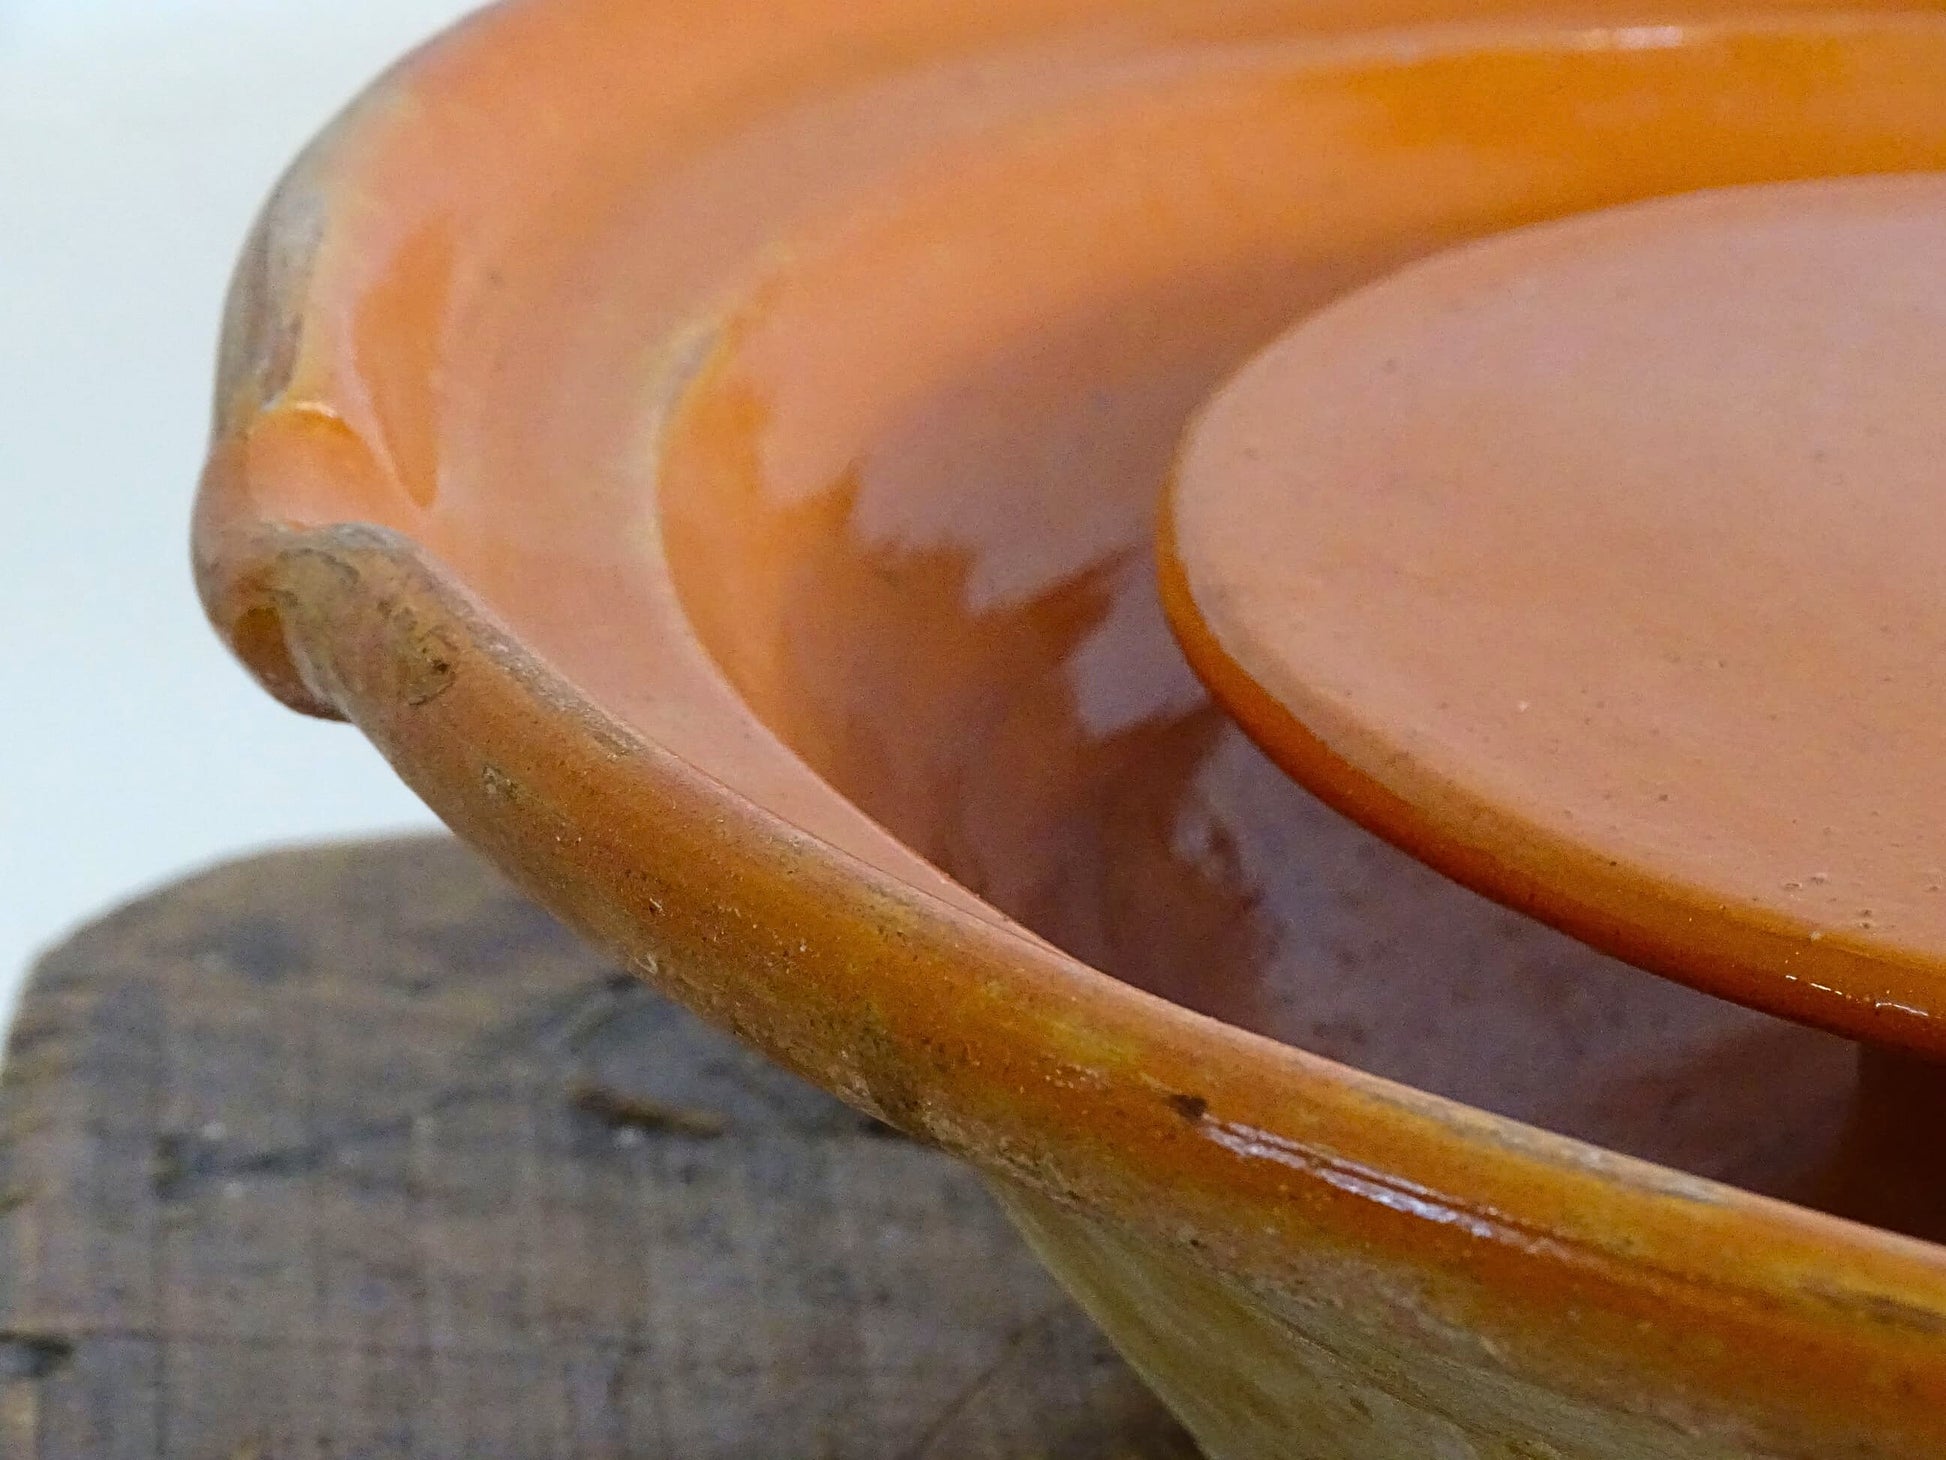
(352, 1152)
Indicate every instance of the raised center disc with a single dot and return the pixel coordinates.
(1603, 565)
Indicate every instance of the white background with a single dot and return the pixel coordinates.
(136, 139)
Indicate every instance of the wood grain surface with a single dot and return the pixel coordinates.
(351, 1152)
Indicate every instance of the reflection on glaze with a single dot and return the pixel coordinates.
(1372, 1185)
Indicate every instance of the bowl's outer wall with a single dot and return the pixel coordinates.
(1305, 1260)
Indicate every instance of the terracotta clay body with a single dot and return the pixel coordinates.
(717, 463)
(1601, 564)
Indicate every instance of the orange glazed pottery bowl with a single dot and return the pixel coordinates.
(713, 452)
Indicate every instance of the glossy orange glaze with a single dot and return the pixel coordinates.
(1599, 564)
(759, 429)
